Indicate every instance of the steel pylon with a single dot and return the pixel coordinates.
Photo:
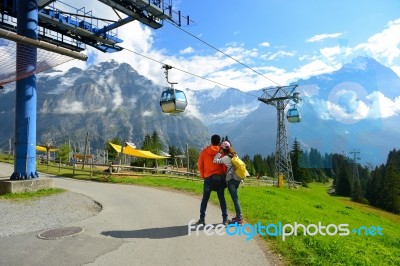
(280, 97)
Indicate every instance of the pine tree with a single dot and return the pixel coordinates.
(249, 164)
(150, 143)
(299, 174)
(156, 144)
(343, 181)
(391, 198)
(193, 158)
(271, 163)
(356, 192)
(63, 152)
(112, 153)
(259, 165)
(226, 139)
(372, 189)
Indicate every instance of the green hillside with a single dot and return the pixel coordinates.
(314, 205)
(271, 205)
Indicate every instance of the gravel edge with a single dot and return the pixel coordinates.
(44, 213)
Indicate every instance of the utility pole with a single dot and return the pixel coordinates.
(280, 97)
(9, 148)
(356, 157)
(85, 151)
(50, 144)
(356, 191)
(187, 157)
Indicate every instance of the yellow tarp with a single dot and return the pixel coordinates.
(137, 153)
(41, 148)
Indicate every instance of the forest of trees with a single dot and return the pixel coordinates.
(383, 185)
(379, 187)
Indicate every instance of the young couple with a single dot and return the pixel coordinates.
(216, 169)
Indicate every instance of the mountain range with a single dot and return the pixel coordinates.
(353, 108)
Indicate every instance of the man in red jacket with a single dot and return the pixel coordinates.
(214, 179)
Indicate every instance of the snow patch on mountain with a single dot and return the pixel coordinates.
(232, 114)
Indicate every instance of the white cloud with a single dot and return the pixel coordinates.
(313, 68)
(383, 107)
(75, 107)
(330, 52)
(140, 39)
(396, 69)
(65, 107)
(117, 97)
(321, 37)
(187, 50)
(308, 90)
(264, 44)
(280, 54)
(348, 103)
(349, 109)
(147, 113)
(383, 46)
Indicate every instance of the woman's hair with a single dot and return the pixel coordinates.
(230, 151)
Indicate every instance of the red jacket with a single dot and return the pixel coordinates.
(206, 166)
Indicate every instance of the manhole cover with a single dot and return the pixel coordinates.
(58, 233)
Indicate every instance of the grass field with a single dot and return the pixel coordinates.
(271, 206)
(24, 196)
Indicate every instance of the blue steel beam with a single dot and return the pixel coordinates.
(115, 25)
(155, 8)
(136, 11)
(26, 97)
(43, 3)
(81, 28)
(148, 12)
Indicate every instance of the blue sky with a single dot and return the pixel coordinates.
(283, 40)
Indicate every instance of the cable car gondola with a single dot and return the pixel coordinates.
(293, 115)
(172, 101)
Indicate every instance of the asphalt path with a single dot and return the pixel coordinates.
(136, 226)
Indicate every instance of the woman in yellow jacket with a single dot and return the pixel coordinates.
(232, 180)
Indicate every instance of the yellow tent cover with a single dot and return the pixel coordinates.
(129, 150)
(41, 148)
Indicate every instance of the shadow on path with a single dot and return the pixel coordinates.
(153, 233)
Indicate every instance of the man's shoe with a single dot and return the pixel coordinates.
(225, 222)
(200, 221)
(236, 220)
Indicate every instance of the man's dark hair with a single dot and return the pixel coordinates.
(215, 140)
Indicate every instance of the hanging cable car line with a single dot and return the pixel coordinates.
(221, 84)
(222, 52)
(189, 73)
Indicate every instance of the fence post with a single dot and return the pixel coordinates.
(91, 167)
(73, 168)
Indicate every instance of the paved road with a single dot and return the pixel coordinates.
(137, 226)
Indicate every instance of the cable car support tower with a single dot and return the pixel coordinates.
(280, 97)
(31, 22)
